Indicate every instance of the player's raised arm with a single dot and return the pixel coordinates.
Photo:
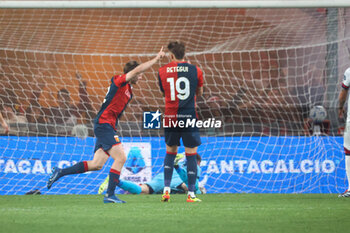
(144, 66)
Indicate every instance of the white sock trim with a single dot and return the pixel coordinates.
(191, 194)
(166, 189)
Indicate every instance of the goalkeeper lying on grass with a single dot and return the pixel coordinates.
(156, 185)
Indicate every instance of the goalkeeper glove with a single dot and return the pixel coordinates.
(178, 158)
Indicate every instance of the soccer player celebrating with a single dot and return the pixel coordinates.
(107, 142)
(180, 82)
(342, 98)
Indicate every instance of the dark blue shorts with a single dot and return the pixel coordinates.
(106, 137)
(190, 137)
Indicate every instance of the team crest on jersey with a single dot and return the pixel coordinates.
(116, 138)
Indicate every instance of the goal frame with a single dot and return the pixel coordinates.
(176, 4)
(271, 154)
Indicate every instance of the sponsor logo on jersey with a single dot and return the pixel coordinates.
(116, 138)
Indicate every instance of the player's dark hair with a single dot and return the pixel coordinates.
(177, 48)
(198, 157)
(130, 66)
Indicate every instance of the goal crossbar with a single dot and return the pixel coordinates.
(175, 4)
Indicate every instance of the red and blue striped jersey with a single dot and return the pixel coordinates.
(118, 96)
(179, 82)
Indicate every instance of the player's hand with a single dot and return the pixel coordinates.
(161, 54)
(178, 158)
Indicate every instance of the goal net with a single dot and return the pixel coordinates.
(264, 70)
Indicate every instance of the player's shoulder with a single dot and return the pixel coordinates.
(118, 76)
(119, 79)
(193, 66)
(199, 69)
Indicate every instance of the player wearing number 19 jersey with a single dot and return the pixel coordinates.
(107, 143)
(180, 82)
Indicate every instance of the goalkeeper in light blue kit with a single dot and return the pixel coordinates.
(178, 184)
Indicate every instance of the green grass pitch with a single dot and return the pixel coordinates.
(145, 213)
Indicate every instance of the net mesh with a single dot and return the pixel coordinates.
(264, 69)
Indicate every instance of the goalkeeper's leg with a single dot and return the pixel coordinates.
(123, 184)
(130, 187)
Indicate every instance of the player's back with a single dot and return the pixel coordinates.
(179, 82)
(117, 98)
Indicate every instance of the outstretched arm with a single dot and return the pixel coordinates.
(144, 66)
